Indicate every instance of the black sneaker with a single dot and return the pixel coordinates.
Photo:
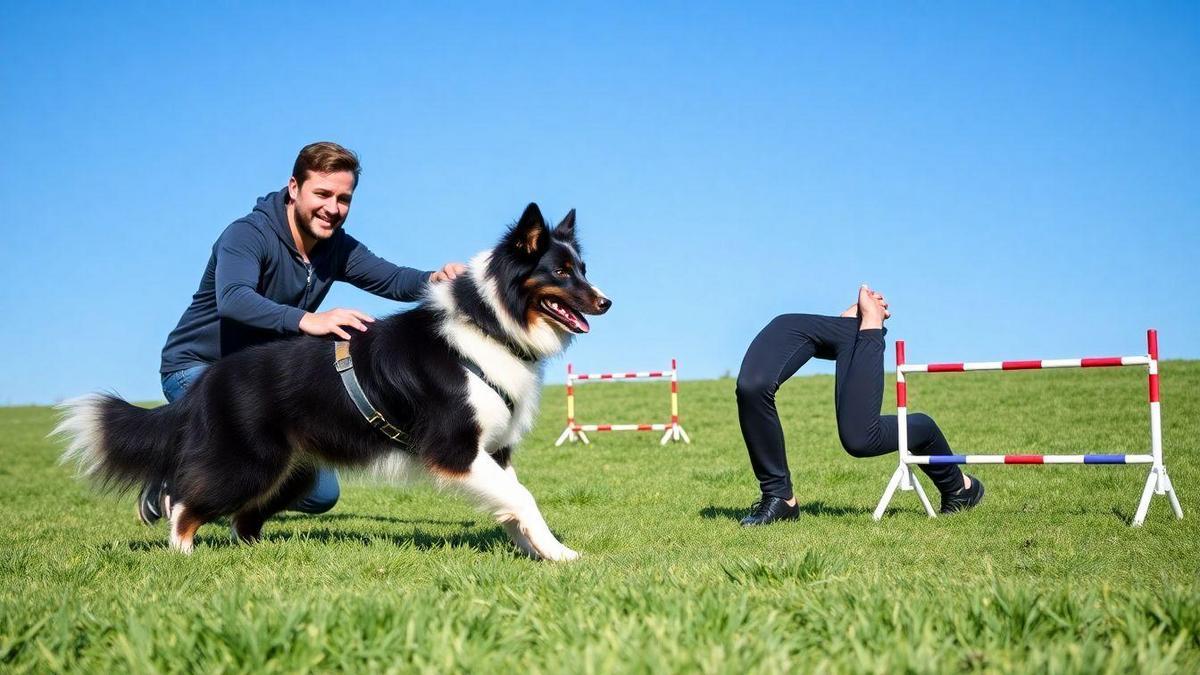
(965, 498)
(770, 509)
(154, 503)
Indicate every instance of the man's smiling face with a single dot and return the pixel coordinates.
(322, 202)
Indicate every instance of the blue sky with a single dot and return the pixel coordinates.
(1021, 179)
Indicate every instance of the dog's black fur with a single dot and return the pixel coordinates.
(247, 437)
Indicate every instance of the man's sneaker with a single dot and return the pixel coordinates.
(965, 498)
(154, 503)
(770, 509)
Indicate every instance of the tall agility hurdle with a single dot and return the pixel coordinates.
(1157, 481)
(577, 432)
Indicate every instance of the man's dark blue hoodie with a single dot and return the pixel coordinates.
(257, 287)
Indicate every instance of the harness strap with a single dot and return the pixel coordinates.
(345, 367)
(474, 368)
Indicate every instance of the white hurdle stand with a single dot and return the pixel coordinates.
(578, 432)
(1157, 482)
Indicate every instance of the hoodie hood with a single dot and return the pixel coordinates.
(271, 211)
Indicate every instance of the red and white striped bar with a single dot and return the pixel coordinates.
(621, 427)
(1094, 362)
(602, 377)
(578, 432)
(1157, 482)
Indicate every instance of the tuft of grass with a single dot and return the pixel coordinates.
(1045, 576)
(811, 567)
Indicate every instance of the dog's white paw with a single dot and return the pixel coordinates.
(563, 554)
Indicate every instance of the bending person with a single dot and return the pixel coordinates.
(855, 341)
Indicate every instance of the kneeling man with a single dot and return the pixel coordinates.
(268, 273)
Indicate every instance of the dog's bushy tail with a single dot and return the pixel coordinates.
(118, 444)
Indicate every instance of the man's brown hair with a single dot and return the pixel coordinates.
(325, 157)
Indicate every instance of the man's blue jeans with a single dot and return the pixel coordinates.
(323, 495)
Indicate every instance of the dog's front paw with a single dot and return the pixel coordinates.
(563, 554)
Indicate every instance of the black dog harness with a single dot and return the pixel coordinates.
(345, 367)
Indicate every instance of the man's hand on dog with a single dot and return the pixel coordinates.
(331, 322)
(448, 272)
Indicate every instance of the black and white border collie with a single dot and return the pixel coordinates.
(245, 440)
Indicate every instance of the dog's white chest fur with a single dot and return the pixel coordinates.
(520, 380)
(500, 428)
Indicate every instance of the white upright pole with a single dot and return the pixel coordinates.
(1157, 482)
(902, 478)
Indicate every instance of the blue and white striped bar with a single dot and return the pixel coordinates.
(1029, 459)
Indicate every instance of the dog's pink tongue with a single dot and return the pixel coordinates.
(582, 324)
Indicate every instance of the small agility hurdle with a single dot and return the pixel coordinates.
(1157, 482)
(577, 432)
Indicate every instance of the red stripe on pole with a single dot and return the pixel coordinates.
(629, 375)
(1023, 459)
(604, 427)
(1152, 347)
(606, 376)
(1104, 362)
(945, 368)
(902, 394)
(570, 390)
(656, 373)
(674, 387)
(645, 427)
(673, 367)
(1020, 365)
(674, 419)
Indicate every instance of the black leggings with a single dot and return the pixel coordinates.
(787, 343)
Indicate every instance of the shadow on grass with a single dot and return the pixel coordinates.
(286, 517)
(481, 539)
(1122, 515)
(478, 540)
(814, 508)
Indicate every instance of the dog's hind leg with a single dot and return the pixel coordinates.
(247, 523)
(184, 523)
(499, 492)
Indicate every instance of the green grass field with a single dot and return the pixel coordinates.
(1046, 576)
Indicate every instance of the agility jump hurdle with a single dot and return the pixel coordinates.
(1157, 481)
(577, 432)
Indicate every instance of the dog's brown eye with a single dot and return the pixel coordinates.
(560, 272)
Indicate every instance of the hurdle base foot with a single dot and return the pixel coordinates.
(570, 434)
(674, 433)
(905, 480)
(1157, 483)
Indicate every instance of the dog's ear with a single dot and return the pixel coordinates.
(529, 235)
(565, 231)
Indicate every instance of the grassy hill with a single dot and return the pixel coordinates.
(1045, 576)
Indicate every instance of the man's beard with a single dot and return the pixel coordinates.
(309, 227)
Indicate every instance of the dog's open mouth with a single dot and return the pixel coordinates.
(568, 317)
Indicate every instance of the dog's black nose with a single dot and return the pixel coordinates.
(603, 304)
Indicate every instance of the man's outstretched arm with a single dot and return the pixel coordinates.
(375, 275)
